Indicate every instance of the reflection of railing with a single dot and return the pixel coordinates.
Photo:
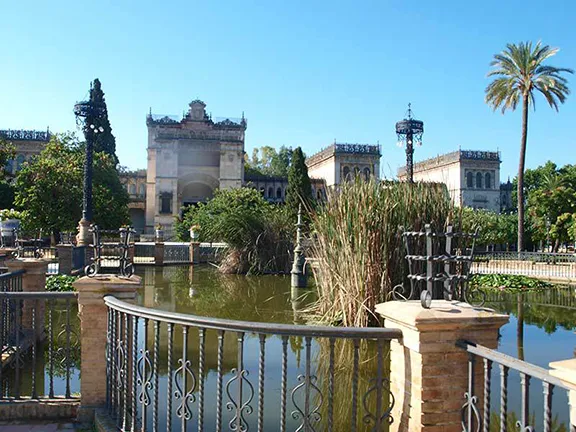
(39, 317)
(561, 297)
(133, 369)
(477, 407)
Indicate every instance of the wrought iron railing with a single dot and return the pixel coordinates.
(9, 282)
(115, 252)
(539, 257)
(150, 381)
(176, 253)
(477, 409)
(144, 253)
(533, 264)
(41, 353)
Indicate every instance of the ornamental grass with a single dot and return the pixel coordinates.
(358, 248)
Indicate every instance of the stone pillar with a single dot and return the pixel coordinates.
(34, 280)
(428, 372)
(195, 252)
(159, 253)
(566, 371)
(93, 328)
(64, 258)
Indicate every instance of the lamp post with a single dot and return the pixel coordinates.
(409, 132)
(87, 113)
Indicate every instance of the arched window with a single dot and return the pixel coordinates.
(356, 171)
(367, 174)
(132, 189)
(319, 194)
(479, 180)
(488, 181)
(346, 172)
(263, 191)
(165, 202)
(142, 189)
(9, 166)
(270, 192)
(19, 161)
(469, 180)
(279, 193)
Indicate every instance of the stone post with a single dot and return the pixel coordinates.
(566, 371)
(195, 252)
(159, 253)
(34, 280)
(298, 275)
(64, 258)
(428, 372)
(93, 331)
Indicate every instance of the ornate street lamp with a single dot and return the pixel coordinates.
(87, 113)
(409, 131)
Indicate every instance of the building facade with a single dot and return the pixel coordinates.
(188, 159)
(472, 177)
(28, 144)
(135, 184)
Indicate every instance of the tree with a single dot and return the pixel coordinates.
(520, 72)
(267, 161)
(299, 187)
(49, 189)
(105, 141)
(7, 153)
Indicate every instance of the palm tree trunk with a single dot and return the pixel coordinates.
(521, 174)
(520, 327)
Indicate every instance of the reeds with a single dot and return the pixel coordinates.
(358, 247)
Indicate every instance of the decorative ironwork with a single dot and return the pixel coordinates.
(240, 406)
(26, 135)
(479, 155)
(410, 131)
(162, 119)
(184, 411)
(108, 253)
(28, 247)
(445, 269)
(379, 385)
(176, 253)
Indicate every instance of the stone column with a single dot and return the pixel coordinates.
(428, 372)
(93, 328)
(64, 258)
(566, 371)
(159, 253)
(34, 280)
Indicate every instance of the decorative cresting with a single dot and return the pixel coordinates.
(177, 382)
(474, 421)
(439, 267)
(25, 135)
(111, 254)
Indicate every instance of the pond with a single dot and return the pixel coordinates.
(539, 331)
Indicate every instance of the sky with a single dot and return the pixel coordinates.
(305, 73)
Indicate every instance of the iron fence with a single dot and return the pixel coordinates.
(144, 253)
(9, 282)
(540, 257)
(176, 253)
(41, 354)
(141, 347)
(476, 411)
(538, 267)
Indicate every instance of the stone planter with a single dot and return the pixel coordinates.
(159, 235)
(7, 228)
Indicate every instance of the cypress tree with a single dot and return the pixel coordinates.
(299, 187)
(105, 141)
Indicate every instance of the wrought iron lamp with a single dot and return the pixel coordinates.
(86, 112)
(409, 132)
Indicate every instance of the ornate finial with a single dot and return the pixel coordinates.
(409, 112)
(242, 115)
(150, 112)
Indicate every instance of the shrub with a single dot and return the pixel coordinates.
(60, 283)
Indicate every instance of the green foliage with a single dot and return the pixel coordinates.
(510, 283)
(49, 189)
(105, 141)
(267, 161)
(299, 188)
(258, 233)
(6, 194)
(358, 248)
(60, 283)
(493, 228)
(7, 152)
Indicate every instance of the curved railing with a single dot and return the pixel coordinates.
(160, 363)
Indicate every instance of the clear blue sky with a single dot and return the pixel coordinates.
(304, 72)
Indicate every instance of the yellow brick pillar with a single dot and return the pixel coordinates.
(428, 372)
(34, 280)
(93, 328)
(566, 371)
(159, 253)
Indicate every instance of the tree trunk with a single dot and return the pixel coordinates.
(520, 327)
(521, 173)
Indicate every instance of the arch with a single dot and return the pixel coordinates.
(279, 193)
(319, 194)
(270, 192)
(263, 191)
(488, 181)
(346, 173)
(142, 189)
(469, 179)
(9, 166)
(356, 172)
(20, 159)
(479, 180)
(132, 189)
(196, 187)
(366, 174)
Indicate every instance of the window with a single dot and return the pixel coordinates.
(346, 172)
(367, 174)
(19, 161)
(262, 191)
(279, 193)
(319, 194)
(166, 202)
(469, 180)
(9, 166)
(479, 180)
(270, 192)
(142, 189)
(132, 189)
(488, 181)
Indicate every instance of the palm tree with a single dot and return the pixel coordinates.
(520, 72)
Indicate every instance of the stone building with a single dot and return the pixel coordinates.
(28, 143)
(472, 177)
(339, 162)
(188, 159)
(135, 184)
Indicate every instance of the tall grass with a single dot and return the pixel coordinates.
(358, 247)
